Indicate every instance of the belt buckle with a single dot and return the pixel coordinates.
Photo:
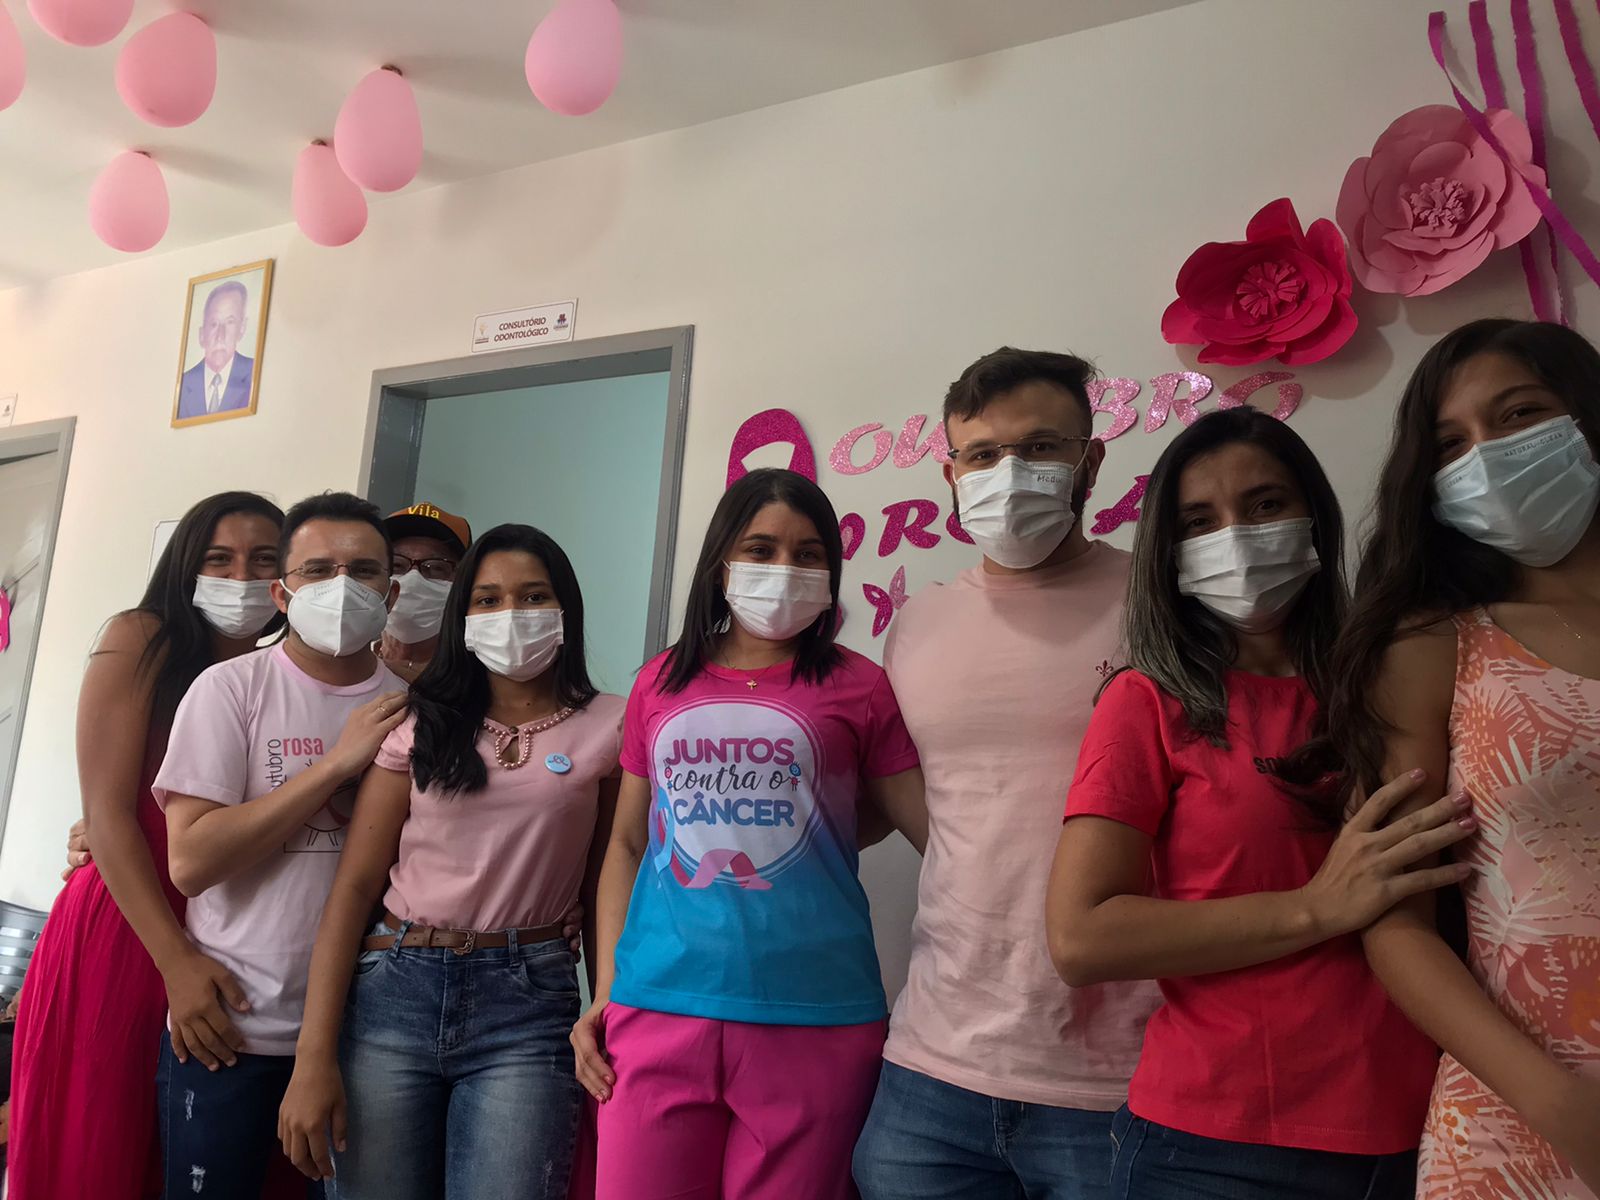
(471, 943)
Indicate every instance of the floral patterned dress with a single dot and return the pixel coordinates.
(1525, 742)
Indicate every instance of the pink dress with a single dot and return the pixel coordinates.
(83, 1072)
(1525, 742)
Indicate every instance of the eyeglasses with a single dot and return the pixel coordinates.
(1035, 449)
(364, 570)
(440, 570)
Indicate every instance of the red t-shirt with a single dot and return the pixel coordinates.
(1306, 1051)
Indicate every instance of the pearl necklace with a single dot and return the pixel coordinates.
(521, 738)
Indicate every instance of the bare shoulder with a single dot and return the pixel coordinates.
(128, 634)
(1417, 676)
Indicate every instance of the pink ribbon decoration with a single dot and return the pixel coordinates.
(1582, 69)
(1533, 113)
(775, 426)
(852, 531)
(5, 621)
(1560, 226)
(886, 603)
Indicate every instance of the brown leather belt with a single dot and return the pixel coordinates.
(462, 941)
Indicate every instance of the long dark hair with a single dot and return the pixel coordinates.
(451, 697)
(1415, 570)
(816, 654)
(181, 646)
(1175, 640)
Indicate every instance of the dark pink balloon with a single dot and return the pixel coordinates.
(128, 206)
(13, 62)
(575, 56)
(82, 22)
(329, 209)
(167, 72)
(378, 136)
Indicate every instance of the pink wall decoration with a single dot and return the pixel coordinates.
(907, 451)
(1124, 416)
(908, 520)
(886, 603)
(1198, 387)
(852, 532)
(82, 22)
(841, 457)
(378, 136)
(952, 526)
(167, 72)
(128, 206)
(1433, 200)
(574, 57)
(1289, 394)
(771, 427)
(330, 210)
(1283, 292)
(13, 60)
(1126, 509)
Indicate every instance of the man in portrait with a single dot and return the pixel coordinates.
(219, 382)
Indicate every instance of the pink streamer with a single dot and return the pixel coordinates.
(1570, 237)
(1582, 69)
(1533, 111)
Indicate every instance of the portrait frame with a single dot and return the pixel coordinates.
(189, 401)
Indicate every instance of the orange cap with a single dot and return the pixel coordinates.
(429, 520)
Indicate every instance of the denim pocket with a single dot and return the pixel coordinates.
(369, 961)
(551, 972)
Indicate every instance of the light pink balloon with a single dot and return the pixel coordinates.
(575, 56)
(378, 136)
(82, 22)
(329, 209)
(13, 62)
(167, 72)
(128, 203)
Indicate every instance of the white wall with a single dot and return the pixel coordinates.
(842, 256)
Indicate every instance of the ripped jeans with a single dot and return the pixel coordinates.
(219, 1129)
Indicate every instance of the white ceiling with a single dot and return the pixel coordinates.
(285, 65)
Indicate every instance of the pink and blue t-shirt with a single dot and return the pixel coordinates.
(747, 906)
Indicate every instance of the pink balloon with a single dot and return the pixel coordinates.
(13, 62)
(378, 136)
(128, 203)
(167, 72)
(82, 22)
(329, 209)
(575, 56)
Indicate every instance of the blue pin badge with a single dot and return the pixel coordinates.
(557, 764)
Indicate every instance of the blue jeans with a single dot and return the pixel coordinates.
(1153, 1162)
(219, 1129)
(459, 1075)
(927, 1140)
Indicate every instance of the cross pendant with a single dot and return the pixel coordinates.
(751, 684)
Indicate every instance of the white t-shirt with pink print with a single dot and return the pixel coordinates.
(247, 727)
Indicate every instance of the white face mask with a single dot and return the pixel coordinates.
(419, 608)
(337, 616)
(236, 608)
(1017, 512)
(1249, 575)
(776, 603)
(1531, 496)
(518, 643)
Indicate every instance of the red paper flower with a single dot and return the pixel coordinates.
(1281, 293)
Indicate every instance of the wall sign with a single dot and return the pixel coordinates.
(515, 328)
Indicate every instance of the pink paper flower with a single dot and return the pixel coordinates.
(1434, 199)
(1281, 293)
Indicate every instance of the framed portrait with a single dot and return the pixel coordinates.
(219, 357)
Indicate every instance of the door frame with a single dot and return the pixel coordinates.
(399, 398)
(28, 441)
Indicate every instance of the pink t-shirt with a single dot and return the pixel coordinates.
(512, 855)
(996, 676)
(246, 727)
